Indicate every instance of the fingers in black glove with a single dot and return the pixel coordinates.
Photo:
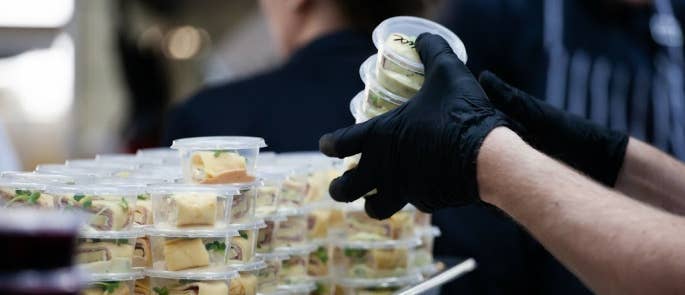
(582, 144)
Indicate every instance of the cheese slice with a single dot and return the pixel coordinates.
(195, 209)
(318, 223)
(216, 163)
(246, 284)
(185, 253)
(388, 259)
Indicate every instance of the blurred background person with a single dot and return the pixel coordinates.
(616, 62)
(324, 42)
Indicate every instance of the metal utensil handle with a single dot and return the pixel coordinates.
(446, 276)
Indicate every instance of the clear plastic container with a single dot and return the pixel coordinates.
(301, 288)
(360, 227)
(423, 254)
(111, 207)
(142, 287)
(268, 276)
(265, 238)
(320, 221)
(142, 252)
(320, 260)
(268, 194)
(247, 282)
(220, 159)
(52, 179)
(294, 269)
(294, 190)
(166, 155)
(100, 252)
(399, 68)
(376, 98)
(384, 286)
(143, 214)
(117, 169)
(379, 259)
(181, 282)
(24, 194)
(190, 250)
(244, 203)
(191, 206)
(293, 230)
(60, 169)
(243, 245)
(114, 284)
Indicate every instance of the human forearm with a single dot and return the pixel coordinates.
(651, 176)
(615, 245)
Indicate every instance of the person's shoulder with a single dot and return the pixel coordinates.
(233, 92)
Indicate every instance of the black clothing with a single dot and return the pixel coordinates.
(290, 106)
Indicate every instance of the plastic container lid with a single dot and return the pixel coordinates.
(116, 277)
(382, 282)
(368, 74)
(220, 274)
(356, 108)
(414, 26)
(249, 266)
(273, 256)
(128, 159)
(384, 244)
(296, 250)
(250, 225)
(171, 188)
(40, 178)
(36, 220)
(98, 189)
(162, 152)
(188, 233)
(16, 184)
(299, 288)
(111, 235)
(88, 163)
(73, 171)
(273, 172)
(219, 143)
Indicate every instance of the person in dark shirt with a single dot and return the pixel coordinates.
(325, 42)
(617, 62)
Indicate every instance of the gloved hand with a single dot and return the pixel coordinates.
(423, 152)
(580, 143)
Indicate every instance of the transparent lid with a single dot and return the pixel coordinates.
(190, 233)
(219, 143)
(127, 159)
(22, 184)
(368, 74)
(111, 235)
(299, 288)
(296, 250)
(382, 282)
(220, 274)
(88, 163)
(23, 176)
(162, 152)
(273, 256)
(255, 264)
(98, 189)
(172, 188)
(73, 171)
(274, 172)
(414, 26)
(384, 244)
(36, 220)
(356, 108)
(250, 225)
(114, 277)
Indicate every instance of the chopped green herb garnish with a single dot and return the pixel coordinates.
(218, 153)
(124, 204)
(121, 242)
(143, 197)
(320, 288)
(243, 234)
(78, 197)
(26, 196)
(216, 246)
(161, 291)
(322, 254)
(356, 253)
(184, 281)
(87, 204)
(108, 287)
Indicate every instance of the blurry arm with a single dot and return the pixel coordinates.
(614, 244)
(651, 176)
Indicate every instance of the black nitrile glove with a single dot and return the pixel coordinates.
(580, 143)
(424, 152)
